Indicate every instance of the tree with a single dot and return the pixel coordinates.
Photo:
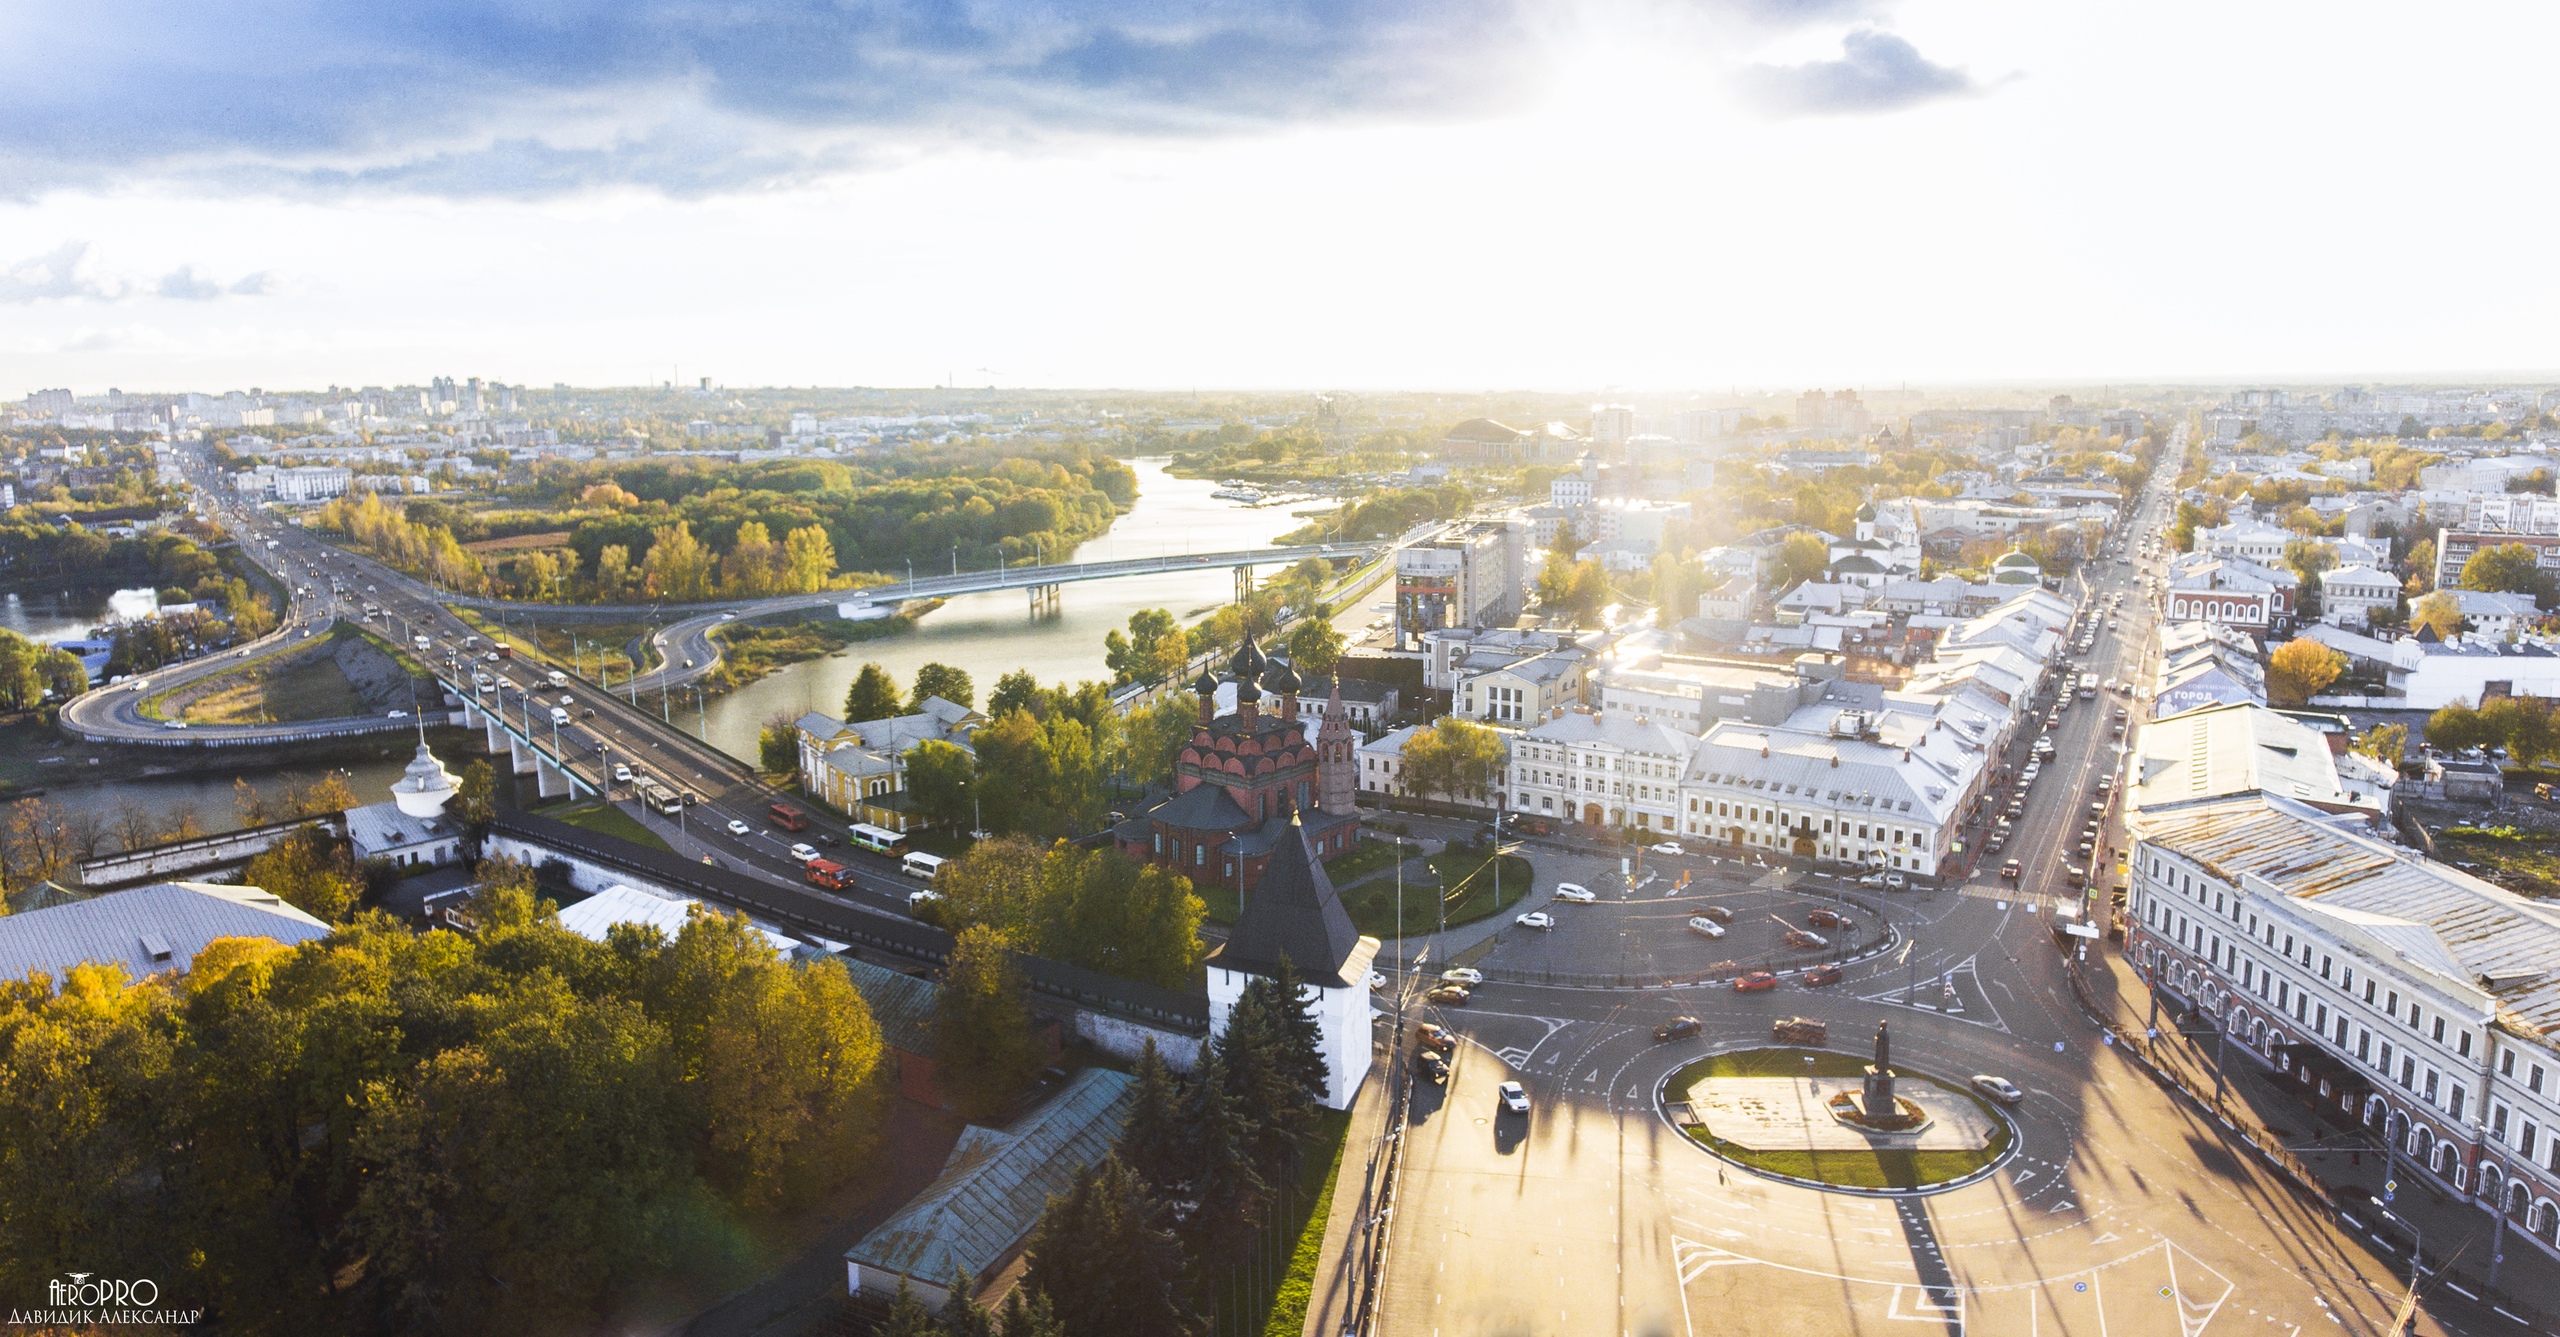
(962, 1315)
(1568, 540)
(907, 1316)
(778, 745)
(1105, 911)
(944, 681)
(2422, 566)
(1153, 1139)
(808, 560)
(1014, 691)
(1105, 1256)
(982, 1027)
(475, 797)
(2507, 568)
(310, 871)
(1802, 556)
(1572, 592)
(1314, 647)
(2384, 742)
(752, 568)
(873, 696)
(1028, 1313)
(1157, 734)
(2300, 670)
(940, 776)
(678, 567)
(2523, 725)
(2440, 611)
(1140, 656)
(2456, 728)
(1453, 759)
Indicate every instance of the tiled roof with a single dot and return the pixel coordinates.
(997, 1182)
(1293, 912)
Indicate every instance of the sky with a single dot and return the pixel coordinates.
(1360, 194)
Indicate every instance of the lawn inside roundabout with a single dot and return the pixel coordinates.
(1876, 1168)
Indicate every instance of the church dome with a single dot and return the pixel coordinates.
(1207, 684)
(1248, 663)
(1280, 677)
(424, 786)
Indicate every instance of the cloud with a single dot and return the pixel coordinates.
(61, 274)
(52, 275)
(1876, 72)
(537, 98)
(186, 285)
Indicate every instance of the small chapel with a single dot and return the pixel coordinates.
(1251, 779)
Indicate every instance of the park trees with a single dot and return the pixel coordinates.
(2510, 568)
(778, 745)
(1153, 650)
(1094, 908)
(2440, 612)
(2387, 743)
(985, 1052)
(310, 871)
(1453, 759)
(1801, 557)
(1571, 592)
(677, 566)
(939, 780)
(2300, 669)
(1315, 646)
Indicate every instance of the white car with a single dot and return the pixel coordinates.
(1709, 927)
(173, 724)
(1377, 979)
(1896, 881)
(1998, 1088)
(399, 714)
(1669, 847)
(1872, 880)
(1515, 1097)
(1536, 919)
(804, 853)
(738, 828)
(1462, 975)
(621, 774)
(1575, 892)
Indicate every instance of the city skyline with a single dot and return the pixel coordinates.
(1622, 195)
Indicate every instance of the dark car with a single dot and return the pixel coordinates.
(1435, 1037)
(1799, 1031)
(1827, 919)
(1717, 913)
(1821, 975)
(1432, 1067)
(1755, 982)
(1678, 1028)
(1450, 994)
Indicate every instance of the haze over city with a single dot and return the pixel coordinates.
(1199, 668)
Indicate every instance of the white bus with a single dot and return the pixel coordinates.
(921, 864)
(877, 839)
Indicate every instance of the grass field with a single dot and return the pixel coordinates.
(1287, 1316)
(1466, 882)
(1851, 1169)
(2527, 862)
(314, 689)
(606, 820)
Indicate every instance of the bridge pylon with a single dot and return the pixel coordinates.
(1244, 583)
(1044, 600)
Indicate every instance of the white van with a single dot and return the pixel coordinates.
(559, 716)
(559, 679)
(921, 864)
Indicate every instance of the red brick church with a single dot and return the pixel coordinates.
(1243, 774)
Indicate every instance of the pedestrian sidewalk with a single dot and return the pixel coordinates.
(1334, 1297)
(2351, 1165)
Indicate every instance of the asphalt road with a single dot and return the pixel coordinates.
(2123, 1212)
(604, 729)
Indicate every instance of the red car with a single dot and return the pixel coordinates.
(1755, 982)
(1821, 975)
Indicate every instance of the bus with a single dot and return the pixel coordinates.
(783, 816)
(878, 839)
(829, 874)
(921, 864)
(657, 796)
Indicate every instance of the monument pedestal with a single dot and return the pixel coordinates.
(1876, 1102)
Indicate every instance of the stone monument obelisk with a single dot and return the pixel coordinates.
(1877, 1102)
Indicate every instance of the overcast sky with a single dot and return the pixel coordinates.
(1456, 194)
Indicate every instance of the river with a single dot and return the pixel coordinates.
(993, 634)
(45, 616)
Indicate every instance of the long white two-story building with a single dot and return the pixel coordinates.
(2397, 994)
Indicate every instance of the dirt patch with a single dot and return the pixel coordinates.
(327, 677)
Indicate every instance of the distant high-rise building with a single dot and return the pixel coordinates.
(1692, 426)
(1612, 424)
(472, 400)
(51, 401)
(1838, 413)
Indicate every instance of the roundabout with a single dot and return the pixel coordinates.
(1796, 1115)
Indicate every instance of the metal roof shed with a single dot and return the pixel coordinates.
(992, 1191)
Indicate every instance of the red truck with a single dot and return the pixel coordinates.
(785, 818)
(829, 874)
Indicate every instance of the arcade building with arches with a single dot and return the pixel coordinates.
(2397, 996)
